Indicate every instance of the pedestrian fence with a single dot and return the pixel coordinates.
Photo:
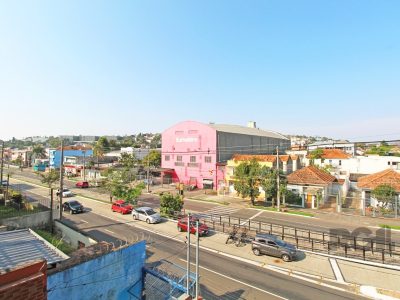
(379, 249)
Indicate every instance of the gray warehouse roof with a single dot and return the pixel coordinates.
(21, 246)
(246, 130)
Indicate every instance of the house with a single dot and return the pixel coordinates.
(71, 153)
(195, 154)
(332, 158)
(287, 164)
(348, 147)
(315, 186)
(369, 182)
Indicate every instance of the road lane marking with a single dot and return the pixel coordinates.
(251, 218)
(239, 281)
(336, 270)
(84, 221)
(283, 271)
(109, 231)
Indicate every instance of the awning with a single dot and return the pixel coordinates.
(208, 181)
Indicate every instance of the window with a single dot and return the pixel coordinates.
(270, 243)
(178, 132)
(388, 163)
(192, 131)
(179, 158)
(193, 159)
(207, 159)
(340, 162)
(167, 157)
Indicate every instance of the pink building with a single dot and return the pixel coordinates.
(195, 153)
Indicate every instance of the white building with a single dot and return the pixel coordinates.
(347, 147)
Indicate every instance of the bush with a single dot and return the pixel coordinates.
(293, 198)
(170, 204)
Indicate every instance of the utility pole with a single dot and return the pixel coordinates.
(148, 172)
(60, 194)
(188, 255)
(51, 210)
(197, 260)
(84, 161)
(278, 193)
(2, 164)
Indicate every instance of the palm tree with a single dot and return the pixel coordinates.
(38, 151)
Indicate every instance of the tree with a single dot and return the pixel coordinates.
(316, 154)
(98, 152)
(170, 203)
(156, 141)
(269, 183)
(38, 151)
(103, 143)
(153, 158)
(386, 194)
(247, 175)
(49, 178)
(117, 185)
(53, 142)
(128, 160)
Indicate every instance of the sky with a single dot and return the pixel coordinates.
(328, 68)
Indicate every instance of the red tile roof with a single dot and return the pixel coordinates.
(388, 176)
(310, 175)
(333, 154)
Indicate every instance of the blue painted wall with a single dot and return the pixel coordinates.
(117, 275)
(55, 156)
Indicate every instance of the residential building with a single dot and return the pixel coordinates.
(315, 186)
(195, 154)
(23, 154)
(369, 182)
(70, 152)
(333, 159)
(139, 153)
(348, 147)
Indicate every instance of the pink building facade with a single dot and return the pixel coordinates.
(189, 148)
(195, 154)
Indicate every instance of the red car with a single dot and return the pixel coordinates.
(82, 184)
(182, 226)
(122, 207)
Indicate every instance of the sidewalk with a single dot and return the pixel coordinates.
(318, 214)
(310, 267)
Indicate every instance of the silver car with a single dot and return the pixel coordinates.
(146, 214)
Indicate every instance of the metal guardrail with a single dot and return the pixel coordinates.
(367, 249)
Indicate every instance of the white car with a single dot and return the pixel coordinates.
(146, 214)
(66, 193)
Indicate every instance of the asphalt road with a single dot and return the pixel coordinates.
(221, 277)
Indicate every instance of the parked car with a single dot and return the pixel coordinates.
(146, 214)
(183, 226)
(73, 207)
(82, 184)
(66, 193)
(4, 182)
(271, 245)
(122, 207)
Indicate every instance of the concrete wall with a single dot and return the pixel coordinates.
(73, 237)
(116, 275)
(40, 219)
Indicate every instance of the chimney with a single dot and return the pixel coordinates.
(251, 124)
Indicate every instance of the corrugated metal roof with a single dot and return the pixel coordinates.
(246, 130)
(21, 246)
